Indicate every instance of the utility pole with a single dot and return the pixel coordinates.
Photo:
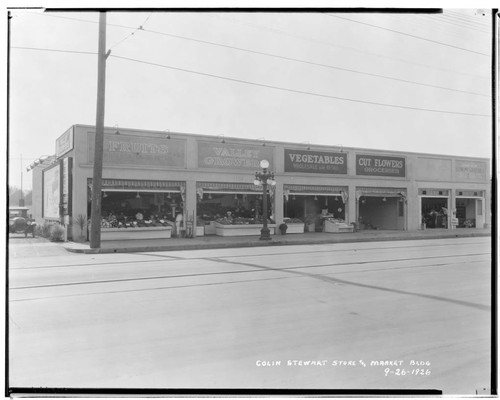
(21, 199)
(95, 221)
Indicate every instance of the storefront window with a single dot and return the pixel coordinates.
(435, 212)
(466, 213)
(128, 209)
(314, 209)
(233, 207)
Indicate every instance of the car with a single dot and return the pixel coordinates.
(19, 222)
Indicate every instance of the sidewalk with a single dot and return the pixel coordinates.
(217, 242)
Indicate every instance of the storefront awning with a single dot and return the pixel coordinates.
(380, 192)
(318, 190)
(134, 185)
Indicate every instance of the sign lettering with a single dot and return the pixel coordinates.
(232, 156)
(316, 162)
(140, 150)
(380, 165)
(470, 170)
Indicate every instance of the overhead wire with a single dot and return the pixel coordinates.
(350, 70)
(311, 40)
(263, 85)
(464, 23)
(296, 91)
(141, 27)
(53, 50)
(292, 35)
(409, 35)
(464, 17)
(314, 63)
(440, 20)
(248, 82)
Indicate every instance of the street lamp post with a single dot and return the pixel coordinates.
(264, 178)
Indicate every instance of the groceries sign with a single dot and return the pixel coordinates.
(232, 156)
(470, 170)
(140, 150)
(380, 165)
(316, 162)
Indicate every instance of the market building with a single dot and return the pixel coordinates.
(194, 184)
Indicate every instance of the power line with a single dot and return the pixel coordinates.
(457, 24)
(292, 35)
(53, 50)
(314, 63)
(284, 58)
(322, 65)
(464, 23)
(93, 53)
(409, 35)
(259, 26)
(296, 91)
(466, 18)
(141, 27)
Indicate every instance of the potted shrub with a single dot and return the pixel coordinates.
(57, 233)
(81, 222)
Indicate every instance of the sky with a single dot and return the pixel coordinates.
(398, 82)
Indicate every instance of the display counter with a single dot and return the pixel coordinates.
(337, 227)
(160, 232)
(241, 230)
(295, 228)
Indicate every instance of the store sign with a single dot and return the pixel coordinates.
(65, 181)
(51, 192)
(66, 165)
(233, 156)
(470, 170)
(64, 143)
(316, 162)
(137, 150)
(380, 165)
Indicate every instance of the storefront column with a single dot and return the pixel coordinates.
(452, 208)
(352, 212)
(190, 205)
(486, 210)
(413, 209)
(278, 205)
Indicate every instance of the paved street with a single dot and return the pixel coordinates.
(373, 315)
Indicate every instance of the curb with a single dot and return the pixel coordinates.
(279, 242)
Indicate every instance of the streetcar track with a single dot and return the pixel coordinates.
(256, 268)
(328, 279)
(151, 289)
(322, 277)
(177, 258)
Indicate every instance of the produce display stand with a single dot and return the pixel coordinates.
(160, 232)
(241, 230)
(337, 227)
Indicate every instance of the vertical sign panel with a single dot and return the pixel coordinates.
(64, 143)
(51, 192)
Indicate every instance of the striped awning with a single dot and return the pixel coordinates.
(380, 192)
(228, 187)
(314, 189)
(139, 185)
